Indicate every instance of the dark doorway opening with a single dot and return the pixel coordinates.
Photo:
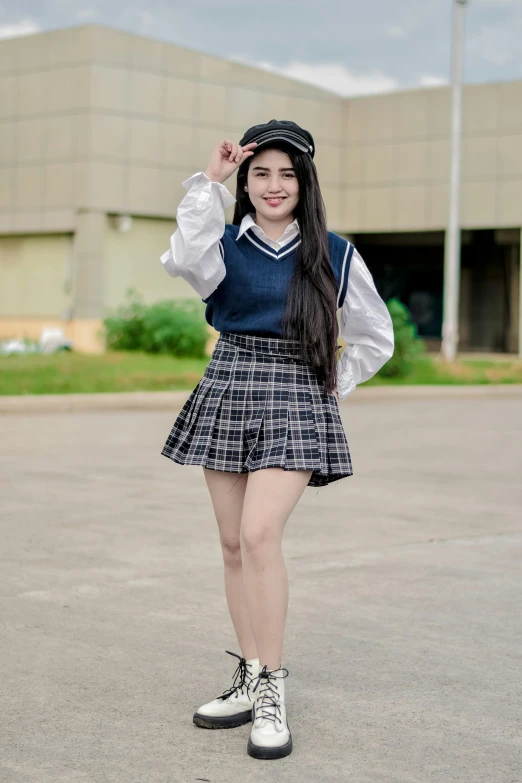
(410, 267)
(489, 291)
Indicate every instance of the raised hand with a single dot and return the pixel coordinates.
(226, 158)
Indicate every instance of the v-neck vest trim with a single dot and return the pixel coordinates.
(252, 296)
(275, 255)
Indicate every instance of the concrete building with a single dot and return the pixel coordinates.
(98, 124)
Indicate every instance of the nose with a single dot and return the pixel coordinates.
(274, 185)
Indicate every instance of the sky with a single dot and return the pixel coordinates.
(347, 46)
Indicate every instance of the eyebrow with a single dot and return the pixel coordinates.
(263, 168)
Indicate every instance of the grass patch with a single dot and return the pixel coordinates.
(70, 372)
(433, 371)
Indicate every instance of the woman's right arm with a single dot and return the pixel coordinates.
(196, 252)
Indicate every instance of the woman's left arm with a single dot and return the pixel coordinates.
(366, 326)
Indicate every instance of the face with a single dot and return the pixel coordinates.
(272, 185)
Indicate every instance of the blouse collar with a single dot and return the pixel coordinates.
(249, 222)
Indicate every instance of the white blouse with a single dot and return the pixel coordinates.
(194, 255)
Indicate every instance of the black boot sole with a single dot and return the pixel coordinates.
(259, 752)
(227, 722)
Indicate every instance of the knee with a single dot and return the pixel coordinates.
(231, 548)
(256, 537)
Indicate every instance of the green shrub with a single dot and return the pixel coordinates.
(409, 348)
(175, 327)
(123, 329)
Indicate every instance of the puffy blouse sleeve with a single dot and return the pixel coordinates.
(196, 250)
(366, 327)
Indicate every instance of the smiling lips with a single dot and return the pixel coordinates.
(275, 201)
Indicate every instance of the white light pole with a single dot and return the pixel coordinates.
(450, 324)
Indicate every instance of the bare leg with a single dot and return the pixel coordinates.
(271, 494)
(227, 491)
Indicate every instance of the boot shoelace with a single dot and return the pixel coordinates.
(268, 696)
(239, 677)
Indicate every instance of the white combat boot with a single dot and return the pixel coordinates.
(234, 706)
(270, 737)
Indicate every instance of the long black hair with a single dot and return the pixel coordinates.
(310, 315)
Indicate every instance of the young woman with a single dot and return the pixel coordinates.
(264, 420)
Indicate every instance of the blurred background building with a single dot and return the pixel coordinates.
(98, 128)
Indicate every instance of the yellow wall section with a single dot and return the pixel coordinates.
(33, 275)
(133, 261)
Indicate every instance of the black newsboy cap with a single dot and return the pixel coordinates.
(280, 130)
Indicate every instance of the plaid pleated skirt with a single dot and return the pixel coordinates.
(258, 405)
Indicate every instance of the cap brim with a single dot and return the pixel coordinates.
(267, 138)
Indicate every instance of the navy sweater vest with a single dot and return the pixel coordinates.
(252, 297)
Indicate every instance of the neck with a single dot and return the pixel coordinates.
(273, 228)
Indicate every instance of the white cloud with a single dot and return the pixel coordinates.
(143, 17)
(87, 13)
(396, 32)
(335, 77)
(429, 80)
(23, 27)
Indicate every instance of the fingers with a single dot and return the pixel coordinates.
(247, 150)
(234, 152)
(225, 147)
(230, 149)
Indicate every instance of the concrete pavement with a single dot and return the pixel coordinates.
(171, 400)
(404, 627)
